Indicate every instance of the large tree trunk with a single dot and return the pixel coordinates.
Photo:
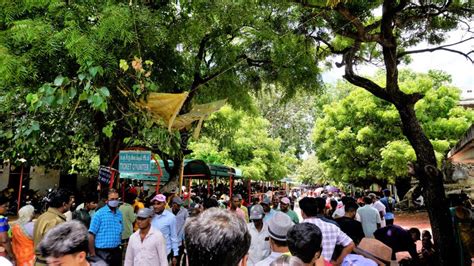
(431, 180)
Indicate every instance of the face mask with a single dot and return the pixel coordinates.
(113, 203)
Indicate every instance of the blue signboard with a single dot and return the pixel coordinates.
(135, 162)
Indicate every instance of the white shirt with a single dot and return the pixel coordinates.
(380, 208)
(150, 252)
(266, 262)
(369, 217)
(259, 248)
(340, 212)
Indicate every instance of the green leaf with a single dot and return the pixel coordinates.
(93, 71)
(81, 76)
(59, 80)
(123, 65)
(104, 91)
(83, 96)
(108, 129)
(35, 126)
(72, 92)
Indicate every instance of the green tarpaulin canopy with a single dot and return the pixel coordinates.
(195, 169)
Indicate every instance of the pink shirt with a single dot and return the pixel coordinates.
(239, 213)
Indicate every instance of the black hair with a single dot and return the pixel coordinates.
(304, 240)
(308, 206)
(90, 197)
(347, 199)
(216, 237)
(321, 204)
(64, 239)
(129, 198)
(279, 243)
(367, 200)
(351, 206)
(58, 197)
(209, 203)
(416, 232)
(3, 200)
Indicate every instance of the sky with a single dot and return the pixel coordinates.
(461, 70)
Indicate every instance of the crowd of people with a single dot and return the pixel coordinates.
(133, 228)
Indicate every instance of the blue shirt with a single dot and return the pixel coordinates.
(4, 227)
(107, 228)
(389, 203)
(166, 223)
(181, 217)
(269, 215)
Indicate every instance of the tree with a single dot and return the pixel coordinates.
(67, 82)
(311, 171)
(357, 142)
(291, 120)
(237, 139)
(351, 29)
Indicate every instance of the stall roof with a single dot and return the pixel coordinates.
(196, 169)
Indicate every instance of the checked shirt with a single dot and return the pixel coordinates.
(107, 228)
(332, 235)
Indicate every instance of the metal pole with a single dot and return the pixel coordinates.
(19, 189)
(181, 173)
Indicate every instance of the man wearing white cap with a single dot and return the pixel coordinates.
(165, 222)
(285, 208)
(278, 227)
(258, 229)
(146, 246)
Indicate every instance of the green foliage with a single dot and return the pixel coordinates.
(311, 171)
(234, 138)
(70, 75)
(357, 139)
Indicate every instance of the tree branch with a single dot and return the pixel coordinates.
(442, 47)
(359, 81)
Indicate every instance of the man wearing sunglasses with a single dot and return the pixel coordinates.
(146, 246)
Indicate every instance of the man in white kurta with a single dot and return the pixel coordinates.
(146, 247)
(258, 229)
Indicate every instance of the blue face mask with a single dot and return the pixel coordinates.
(113, 203)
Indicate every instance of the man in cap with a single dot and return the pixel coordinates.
(165, 222)
(146, 246)
(269, 212)
(332, 235)
(181, 215)
(278, 227)
(258, 229)
(285, 208)
(216, 237)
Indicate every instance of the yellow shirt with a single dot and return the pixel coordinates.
(246, 212)
(45, 222)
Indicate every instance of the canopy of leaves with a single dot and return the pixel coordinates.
(66, 78)
(291, 120)
(357, 139)
(234, 138)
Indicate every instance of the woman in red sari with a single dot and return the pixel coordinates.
(22, 237)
